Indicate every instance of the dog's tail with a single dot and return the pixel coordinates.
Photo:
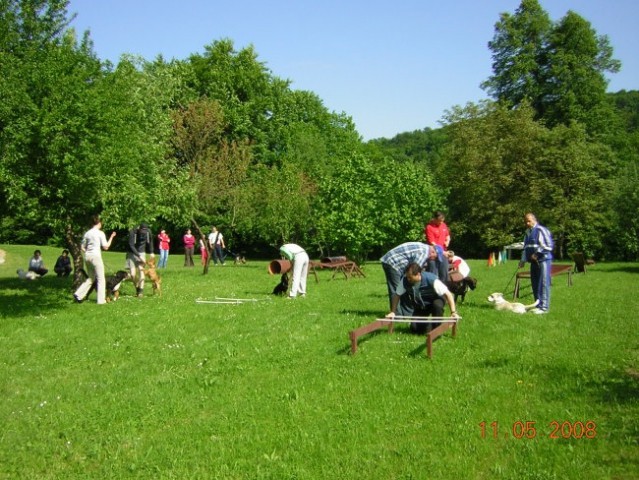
(532, 305)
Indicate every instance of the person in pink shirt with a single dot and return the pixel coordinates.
(189, 246)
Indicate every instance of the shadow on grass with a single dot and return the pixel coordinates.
(626, 268)
(363, 339)
(21, 298)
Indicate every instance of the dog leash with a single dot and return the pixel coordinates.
(511, 279)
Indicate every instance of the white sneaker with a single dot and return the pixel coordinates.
(539, 311)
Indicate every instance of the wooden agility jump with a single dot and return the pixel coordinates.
(446, 323)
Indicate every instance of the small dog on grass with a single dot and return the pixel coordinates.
(459, 288)
(153, 275)
(27, 275)
(282, 287)
(502, 304)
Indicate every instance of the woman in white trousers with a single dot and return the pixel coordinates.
(93, 242)
(298, 256)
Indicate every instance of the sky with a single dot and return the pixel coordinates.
(393, 67)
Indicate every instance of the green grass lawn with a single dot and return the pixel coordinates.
(164, 387)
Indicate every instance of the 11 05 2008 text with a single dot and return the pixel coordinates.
(528, 429)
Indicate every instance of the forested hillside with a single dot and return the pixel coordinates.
(217, 138)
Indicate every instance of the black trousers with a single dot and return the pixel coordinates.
(436, 309)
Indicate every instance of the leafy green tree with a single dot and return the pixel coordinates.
(502, 163)
(518, 48)
(574, 85)
(370, 206)
(558, 68)
(85, 140)
(276, 205)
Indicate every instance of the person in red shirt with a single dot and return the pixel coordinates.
(436, 231)
(164, 241)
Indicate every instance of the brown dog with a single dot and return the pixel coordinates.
(153, 275)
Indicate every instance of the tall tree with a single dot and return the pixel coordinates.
(574, 84)
(559, 68)
(518, 55)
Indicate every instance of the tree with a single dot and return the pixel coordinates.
(518, 55)
(370, 206)
(502, 163)
(85, 140)
(557, 67)
(574, 85)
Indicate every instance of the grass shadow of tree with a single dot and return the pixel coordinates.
(20, 298)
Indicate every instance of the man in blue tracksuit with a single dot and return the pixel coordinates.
(538, 247)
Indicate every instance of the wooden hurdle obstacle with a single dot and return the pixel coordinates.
(447, 323)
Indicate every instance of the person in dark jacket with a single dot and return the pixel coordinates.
(421, 294)
(538, 247)
(140, 244)
(62, 265)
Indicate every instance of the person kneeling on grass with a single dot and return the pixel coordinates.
(421, 294)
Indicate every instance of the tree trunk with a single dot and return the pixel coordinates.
(205, 239)
(74, 244)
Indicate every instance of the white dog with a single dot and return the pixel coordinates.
(502, 304)
(27, 275)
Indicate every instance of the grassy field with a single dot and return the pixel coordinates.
(164, 387)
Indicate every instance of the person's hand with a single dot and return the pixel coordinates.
(455, 315)
(533, 257)
(521, 265)
(391, 315)
(112, 234)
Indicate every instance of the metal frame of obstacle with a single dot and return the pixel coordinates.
(447, 323)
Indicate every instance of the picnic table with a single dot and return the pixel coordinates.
(339, 265)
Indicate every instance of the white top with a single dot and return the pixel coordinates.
(290, 250)
(213, 240)
(461, 266)
(94, 241)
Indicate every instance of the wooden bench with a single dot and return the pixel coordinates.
(554, 271)
(447, 323)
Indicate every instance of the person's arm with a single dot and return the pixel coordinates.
(431, 235)
(107, 245)
(394, 303)
(442, 290)
(451, 303)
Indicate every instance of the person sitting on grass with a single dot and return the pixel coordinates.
(62, 265)
(36, 264)
(421, 294)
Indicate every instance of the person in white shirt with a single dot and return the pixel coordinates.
(216, 241)
(93, 242)
(298, 256)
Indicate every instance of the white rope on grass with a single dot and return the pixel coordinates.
(228, 301)
(404, 319)
(243, 299)
(218, 302)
